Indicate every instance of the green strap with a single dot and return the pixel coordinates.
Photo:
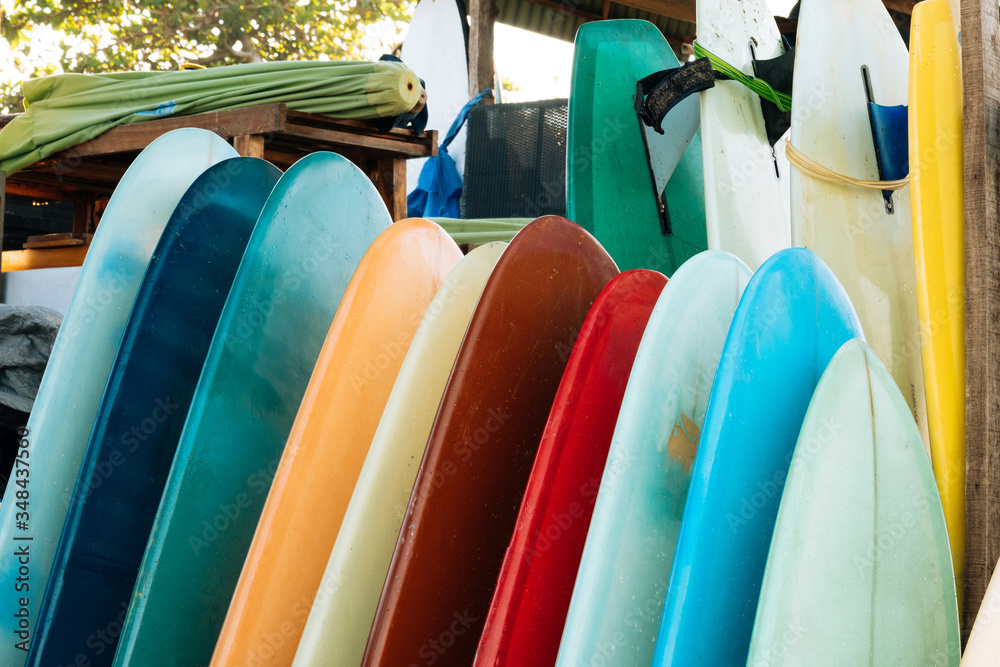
(759, 86)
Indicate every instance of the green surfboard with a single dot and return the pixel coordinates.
(609, 189)
(859, 570)
(41, 488)
(319, 220)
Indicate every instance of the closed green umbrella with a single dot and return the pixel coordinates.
(66, 110)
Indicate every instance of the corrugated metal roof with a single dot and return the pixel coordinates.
(563, 24)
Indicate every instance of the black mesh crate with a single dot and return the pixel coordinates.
(515, 160)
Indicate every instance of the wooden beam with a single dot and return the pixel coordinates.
(390, 181)
(3, 212)
(49, 258)
(249, 145)
(482, 15)
(981, 128)
(386, 144)
(262, 119)
(682, 10)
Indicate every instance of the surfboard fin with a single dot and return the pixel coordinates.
(890, 135)
(656, 95)
(778, 73)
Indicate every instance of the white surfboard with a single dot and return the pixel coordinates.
(435, 49)
(869, 249)
(746, 184)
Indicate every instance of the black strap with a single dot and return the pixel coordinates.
(778, 73)
(660, 92)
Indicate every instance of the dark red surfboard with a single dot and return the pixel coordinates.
(526, 617)
(465, 502)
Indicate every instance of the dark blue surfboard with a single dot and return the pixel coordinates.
(114, 503)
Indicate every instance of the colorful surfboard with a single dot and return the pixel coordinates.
(793, 317)
(529, 605)
(318, 222)
(609, 189)
(146, 401)
(622, 579)
(70, 394)
(937, 203)
(746, 184)
(357, 367)
(342, 613)
(869, 249)
(859, 570)
(479, 455)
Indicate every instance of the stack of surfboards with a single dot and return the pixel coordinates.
(277, 428)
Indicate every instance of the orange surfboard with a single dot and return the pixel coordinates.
(357, 367)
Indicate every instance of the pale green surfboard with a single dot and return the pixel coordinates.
(342, 614)
(319, 220)
(859, 571)
(33, 514)
(622, 581)
(609, 190)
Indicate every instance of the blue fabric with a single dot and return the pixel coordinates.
(439, 189)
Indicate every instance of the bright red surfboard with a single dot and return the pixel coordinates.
(526, 617)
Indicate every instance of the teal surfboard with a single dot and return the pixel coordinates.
(319, 220)
(144, 408)
(38, 497)
(609, 188)
(792, 319)
(622, 580)
(859, 571)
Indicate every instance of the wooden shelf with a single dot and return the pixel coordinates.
(87, 174)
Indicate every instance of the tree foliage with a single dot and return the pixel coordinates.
(117, 35)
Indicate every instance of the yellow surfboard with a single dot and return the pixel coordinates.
(936, 201)
(342, 614)
(384, 304)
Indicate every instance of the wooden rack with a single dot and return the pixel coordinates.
(87, 174)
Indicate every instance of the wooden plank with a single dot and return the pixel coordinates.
(56, 240)
(981, 127)
(390, 181)
(683, 10)
(49, 258)
(3, 212)
(570, 10)
(261, 119)
(482, 15)
(389, 147)
(249, 145)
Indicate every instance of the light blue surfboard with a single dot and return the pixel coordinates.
(792, 319)
(143, 411)
(37, 501)
(319, 220)
(622, 580)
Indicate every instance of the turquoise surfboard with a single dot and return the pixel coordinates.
(793, 317)
(319, 220)
(859, 571)
(35, 506)
(143, 410)
(609, 188)
(622, 580)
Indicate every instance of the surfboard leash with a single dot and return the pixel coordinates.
(808, 166)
